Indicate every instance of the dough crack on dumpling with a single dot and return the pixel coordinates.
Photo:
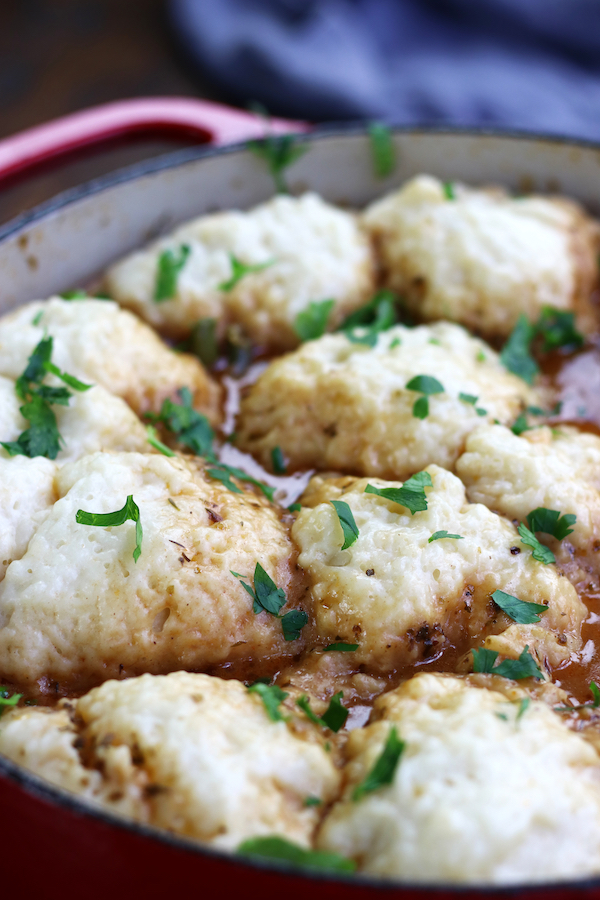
(504, 793)
(314, 252)
(484, 258)
(76, 609)
(404, 599)
(345, 406)
(190, 753)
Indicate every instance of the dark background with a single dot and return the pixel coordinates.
(58, 56)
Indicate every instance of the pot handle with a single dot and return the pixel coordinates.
(208, 122)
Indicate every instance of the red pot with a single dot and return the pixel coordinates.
(53, 845)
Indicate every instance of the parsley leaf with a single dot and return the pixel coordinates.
(523, 667)
(191, 428)
(203, 341)
(310, 323)
(346, 520)
(384, 768)
(411, 495)
(170, 264)
(292, 624)
(278, 461)
(74, 295)
(468, 398)
(440, 535)
(6, 701)
(295, 507)
(239, 270)
(156, 443)
(542, 553)
(519, 610)
(426, 385)
(279, 152)
(272, 697)
(278, 848)
(449, 193)
(382, 149)
(550, 521)
(595, 691)
(334, 716)
(524, 704)
(42, 438)
(376, 316)
(130, 511)
(312, 801)
(515, 355)
(558, 329)
(223, 473)
(73, 382)
(520, 425)
(341, 647)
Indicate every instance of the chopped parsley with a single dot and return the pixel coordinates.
(272, 697)
(278, 848)
(523, 667)
(170, 264)
(346, 520)
(295, 507)
(441, 535)
(472, 401)
(239, 270)
(425, 385)
(519, 610)
(267, 597)
(524, 704)
(37, 318)
(595, 703)
(312, 801)
(156, 443)
(74, 295)
(278, 461)
(384, 767)
(203, 342)
(311, 323)
(557, 329)
(191, 428)
(6, 701)
(540, 552)
(279, 152)
(42, 437)
(449, 192)
(411, 495)
(334, 716)
(550, 521)
(382, 149)
(520, 425)
(340, 647)
(376, 316)
(516, 356)
(130, 511)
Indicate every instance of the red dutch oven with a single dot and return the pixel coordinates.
(52, 845)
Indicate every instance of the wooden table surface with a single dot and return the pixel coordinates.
(58, 56)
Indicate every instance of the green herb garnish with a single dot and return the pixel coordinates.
(411, 495)
(154, 441)
(128, 512)
(277, 848)
(279, 152)
(294, 507)
(74, 295)
(516, 356)
(595, 691)
(384, 768)
(519, 610)
(425, 385)
(278, 461)
(340, 647)
(441, 535)
(448, 187)
(203, 342)
(540, 552)
(6, 700)
(312, 801)
(170, 264)
(334, 716)
(382, 149)
(550, 521)
(311, 323)
(346, 520)
(272, 697)
(191, 428)
(292, 624)
(239, 270)
(267, 597)
(523, 667)
(376, 316)
(558, 329)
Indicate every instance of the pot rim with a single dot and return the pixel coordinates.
(46, 791)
